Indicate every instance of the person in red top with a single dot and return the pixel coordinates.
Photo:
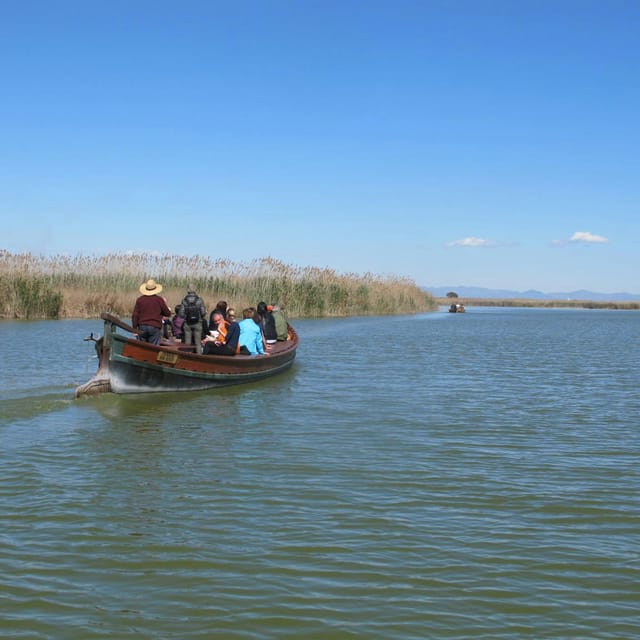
(148, 312)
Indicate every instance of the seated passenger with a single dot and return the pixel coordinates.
(221, 307)
(218, 330)
(250, 333)
(176, 323)
(267, 323)
(282, 325)
(227, 346)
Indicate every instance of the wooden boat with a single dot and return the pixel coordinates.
(129, 365)
(457, 308)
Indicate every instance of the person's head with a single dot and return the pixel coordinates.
(150, 288)
(177, 309)
(217, 317)
(231, 314)
(248, 312)
(262, 308)
(221, 306)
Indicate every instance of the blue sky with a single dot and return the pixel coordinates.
(479, 142)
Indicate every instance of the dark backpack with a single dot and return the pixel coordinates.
(191, 311)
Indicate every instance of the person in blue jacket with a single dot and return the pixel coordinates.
(251, 334)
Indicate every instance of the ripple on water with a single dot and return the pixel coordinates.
(482, 483)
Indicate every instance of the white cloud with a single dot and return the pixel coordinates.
(587, 236)
(472, 242)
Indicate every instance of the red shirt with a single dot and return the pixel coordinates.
(150, 310)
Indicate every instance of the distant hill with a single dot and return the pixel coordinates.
(532, 294)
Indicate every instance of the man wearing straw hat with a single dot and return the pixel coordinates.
(148, 312)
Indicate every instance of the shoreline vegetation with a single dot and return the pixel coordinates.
(546, 304)
(42, 287)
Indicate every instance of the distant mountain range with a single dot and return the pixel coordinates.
(532, 294)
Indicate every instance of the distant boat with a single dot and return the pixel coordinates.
(129, 365)
(457, 308)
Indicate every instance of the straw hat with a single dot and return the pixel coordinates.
(150, 288)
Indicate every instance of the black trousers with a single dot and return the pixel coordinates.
(212, 349)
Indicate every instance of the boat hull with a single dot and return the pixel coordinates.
(130, 375)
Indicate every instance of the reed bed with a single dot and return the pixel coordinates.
(81, 286)
(547, 304)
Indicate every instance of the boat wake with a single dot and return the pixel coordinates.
(27, 407)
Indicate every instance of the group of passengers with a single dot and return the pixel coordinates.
(218, 334)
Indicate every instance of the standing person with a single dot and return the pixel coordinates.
(251, 334)
(148, 312)
(194, 313)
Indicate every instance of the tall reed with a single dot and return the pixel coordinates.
(28, 296)
(84, 286)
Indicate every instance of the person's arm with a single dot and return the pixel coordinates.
(165, 309)
(259, 343)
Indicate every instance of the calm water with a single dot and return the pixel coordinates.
(437, 476)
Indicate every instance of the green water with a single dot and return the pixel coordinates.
(433, 476)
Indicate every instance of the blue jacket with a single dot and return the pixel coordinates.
(251, 337)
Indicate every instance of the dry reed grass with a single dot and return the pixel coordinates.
(547, 304)
(36, 286)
